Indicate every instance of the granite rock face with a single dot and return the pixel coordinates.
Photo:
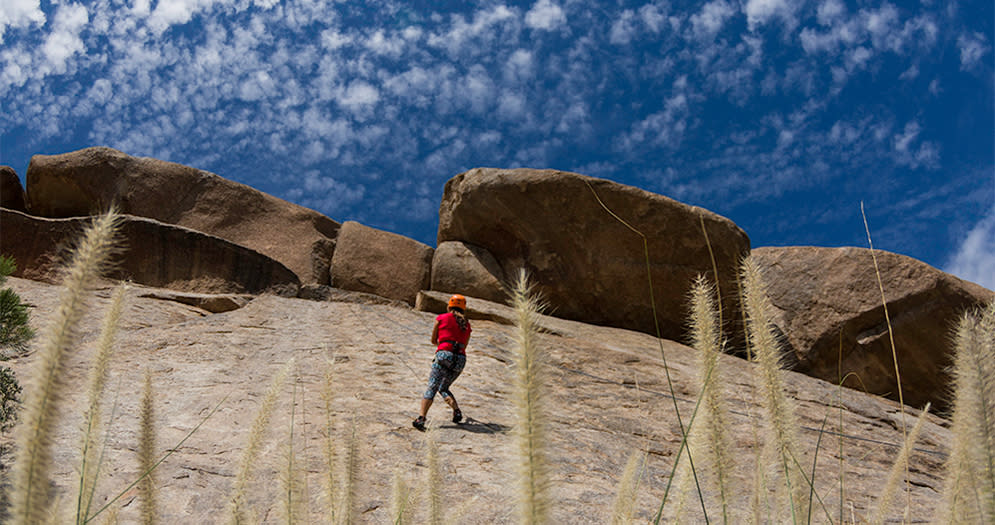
(11, 191)
(88, 181)
(379, 262)
(152, 253)
(588, 265)
(459, 267)
(607, 398)
(829, 308)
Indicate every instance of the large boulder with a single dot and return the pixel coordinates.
(153, 254)
(11, 191)
(829, 309)
(588, 265)
(459, 267)
(90, 180)
(379, 262)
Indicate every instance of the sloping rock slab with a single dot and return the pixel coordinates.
(607, 398)
(459, 267)
(153, 254)
(589, 266)
(829, 303)
(11, 191)
(87, 181)
(214, 303)
(379, 262)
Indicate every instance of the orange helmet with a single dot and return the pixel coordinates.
(457, 301)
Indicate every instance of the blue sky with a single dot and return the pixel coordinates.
(782, 116)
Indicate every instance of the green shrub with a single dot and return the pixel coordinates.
(14, 330)
(10, 398)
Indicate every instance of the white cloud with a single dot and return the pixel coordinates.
(482, 27)
(359, 96)
(974, 259)
(20, 13)
(623, 29)
(384, 45)
(172, 12)
(830, 11)
(64, 41)
(973, 48)
(758, 12)
(653, 16)
(710, 20)
(477, 89)
(545, 15)
(511, 105)
(519, 67)
(664, 128)
(907, 153)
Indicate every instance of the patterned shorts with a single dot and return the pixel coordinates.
(446, 367)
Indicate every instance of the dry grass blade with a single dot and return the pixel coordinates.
(32, 466)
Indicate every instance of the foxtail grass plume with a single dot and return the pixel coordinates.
(433, 482)
(89, 468)
(239, 509)
(969, 489)
(350, 474)
(34, 436)
(147, 455)
(529, 400)
(709, 442)
(898, 470)
(780, 451)
(400, 500)
(624, 507)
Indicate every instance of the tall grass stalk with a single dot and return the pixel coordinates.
(147, 454)
(663, 356)
(89, 461)
(894, 351)
(34, 436)
(239, 508)
(780, 450)
(290, 478)
(897, 472)
(969, 488)
(624, 507)
(328, 396)
(529, 400)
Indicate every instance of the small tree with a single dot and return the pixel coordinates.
(14, 330)
(14, 335)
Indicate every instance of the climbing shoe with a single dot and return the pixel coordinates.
(419, 423)
(457, 416)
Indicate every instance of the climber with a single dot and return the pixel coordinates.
(450, 336)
